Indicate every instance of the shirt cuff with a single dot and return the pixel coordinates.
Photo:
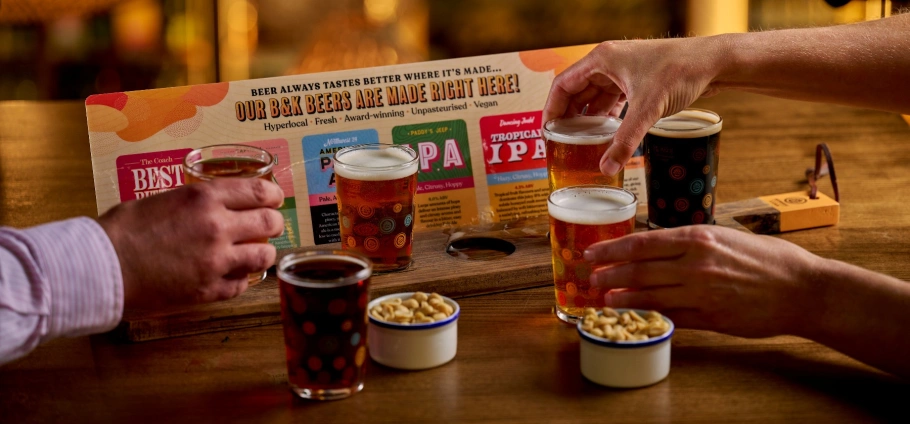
(83, 273)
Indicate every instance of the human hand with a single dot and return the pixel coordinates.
(656, 77)
(189, 245)
(711, 278)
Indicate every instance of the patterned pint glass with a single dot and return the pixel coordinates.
(580, 216)
(376, 184)
(681, 157)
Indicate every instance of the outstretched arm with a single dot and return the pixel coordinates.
(864, 64)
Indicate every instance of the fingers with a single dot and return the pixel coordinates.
(573, 88)
(251, 258)
(639, 118)
(646, 246)
(253, 224)
(247, 193)
(657, 298)
(639, 275)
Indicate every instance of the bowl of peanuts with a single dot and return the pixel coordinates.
(413, 331)
(625, 348)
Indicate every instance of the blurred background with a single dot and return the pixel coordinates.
(70, 49)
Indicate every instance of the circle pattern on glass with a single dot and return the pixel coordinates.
(699, 154)
(706, 202)
(400, 240)
(566, 254)
(371, 244)
(698, 217)
(365, 211)
(706, 169)
(655, 184)
(365, 229)
(387, 225)
(345, 222)
(558, 266)
(696, 186)
(352, 242)
(661, 203)
(396, 208)
(677, 172)
(713, 181)
(571, 289)
(561, 297)
(681, 205)
(407, 220)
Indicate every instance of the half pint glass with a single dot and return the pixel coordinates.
(324, 297)
(574, 148)
(681, 158)
(230, 160)
(376, 184)
(580, 216)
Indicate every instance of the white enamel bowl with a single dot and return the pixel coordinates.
(412, 346)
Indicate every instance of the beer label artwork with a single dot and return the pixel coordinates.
(475, 123)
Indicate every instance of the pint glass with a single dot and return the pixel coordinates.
(681, 157)
(324, 297)
(230, 160)
(376, 184)
(580, 216)
(574, 148)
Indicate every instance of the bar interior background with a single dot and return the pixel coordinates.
(65, 49)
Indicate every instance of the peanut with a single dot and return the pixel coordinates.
(418, 309)
(628, 326)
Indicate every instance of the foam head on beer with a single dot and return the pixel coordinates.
(375, 164)
(592, 206)
(690, 123)
(583, 129)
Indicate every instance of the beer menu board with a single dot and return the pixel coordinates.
(475, 122)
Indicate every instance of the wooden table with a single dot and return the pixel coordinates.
(516, 362)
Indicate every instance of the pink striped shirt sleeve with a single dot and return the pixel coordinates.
(58, 279)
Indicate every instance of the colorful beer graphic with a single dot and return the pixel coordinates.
(574, 148)
(681, 158)
(579, 217)
(324, 296)
(375, 186)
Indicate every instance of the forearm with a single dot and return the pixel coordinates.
(58, 279)
(862, 314)
(864, 64)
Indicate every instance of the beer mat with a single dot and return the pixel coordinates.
(478, 264)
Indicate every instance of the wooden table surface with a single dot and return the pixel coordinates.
(516, 362)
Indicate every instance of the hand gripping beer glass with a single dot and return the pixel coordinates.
(230, 160)
(580, 216)
(681, 156)
(324, 296)
(574, 148)
(376, 184)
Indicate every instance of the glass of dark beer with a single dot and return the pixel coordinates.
(574, 148)
(681, 157)
(234, 161)
(375, 185)
(324, 296)
(580, 216)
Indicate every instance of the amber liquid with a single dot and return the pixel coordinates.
(325, 328)
(575, 164)
(570, 271)
(377, 219)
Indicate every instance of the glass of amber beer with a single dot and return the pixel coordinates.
(574, 148)
(230, 160)
(580, 216)
(324, 296)
(681, 156)
(376, 184)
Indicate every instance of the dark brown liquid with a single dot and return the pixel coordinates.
(324, 328)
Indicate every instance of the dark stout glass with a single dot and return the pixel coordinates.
(324, 296)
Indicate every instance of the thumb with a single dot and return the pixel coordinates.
(629, 135)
